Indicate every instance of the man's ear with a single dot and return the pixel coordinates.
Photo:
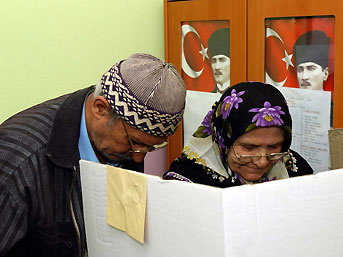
(326, 73)
(100, 107)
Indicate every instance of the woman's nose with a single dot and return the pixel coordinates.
(262, 162)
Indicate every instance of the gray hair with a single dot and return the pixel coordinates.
(98, 92)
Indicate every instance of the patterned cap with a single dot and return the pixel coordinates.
(146, 92)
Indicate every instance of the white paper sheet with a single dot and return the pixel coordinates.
(310, 110)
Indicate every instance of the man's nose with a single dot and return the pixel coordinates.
(305, 74)
(216, 66)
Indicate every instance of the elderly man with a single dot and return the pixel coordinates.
(311, 53)
(219, 50)
(137, 105)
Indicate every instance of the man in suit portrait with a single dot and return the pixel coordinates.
(219, 50)
(311, 53)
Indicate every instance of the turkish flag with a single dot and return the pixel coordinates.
(196, 63)
(281, 35)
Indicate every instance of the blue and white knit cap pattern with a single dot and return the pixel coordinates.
(146, 92)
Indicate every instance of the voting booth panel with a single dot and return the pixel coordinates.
(294, 217)
(170, 230)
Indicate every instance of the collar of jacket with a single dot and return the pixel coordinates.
(62, 148)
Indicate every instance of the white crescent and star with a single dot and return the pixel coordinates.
(185, 67)
(287, 59)
(194, 74)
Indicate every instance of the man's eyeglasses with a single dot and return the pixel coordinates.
(141, 148)
(256, 157)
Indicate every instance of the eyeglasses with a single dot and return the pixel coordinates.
(256, 157)
(141, 148)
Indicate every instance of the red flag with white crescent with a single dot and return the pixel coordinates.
(281, 34)
(196, 63)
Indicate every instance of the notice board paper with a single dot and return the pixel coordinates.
(310, 110)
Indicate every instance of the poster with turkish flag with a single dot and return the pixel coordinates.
(281, 35)
(195, 59)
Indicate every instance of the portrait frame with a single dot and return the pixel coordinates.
(292, 41)
(205, 55)
(176, 12)
(264, 9)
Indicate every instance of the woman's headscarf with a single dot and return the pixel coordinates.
(242, 108)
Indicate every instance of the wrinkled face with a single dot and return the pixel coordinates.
(221, 68)
(260, 141)
(112, 142)
(311, 75)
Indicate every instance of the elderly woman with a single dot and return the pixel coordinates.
(243, 139)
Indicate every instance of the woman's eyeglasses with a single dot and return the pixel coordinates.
(256, 157)
(141, 148)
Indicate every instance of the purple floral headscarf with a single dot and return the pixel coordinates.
(244, 107)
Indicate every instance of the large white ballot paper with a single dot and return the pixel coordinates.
(293, 217)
